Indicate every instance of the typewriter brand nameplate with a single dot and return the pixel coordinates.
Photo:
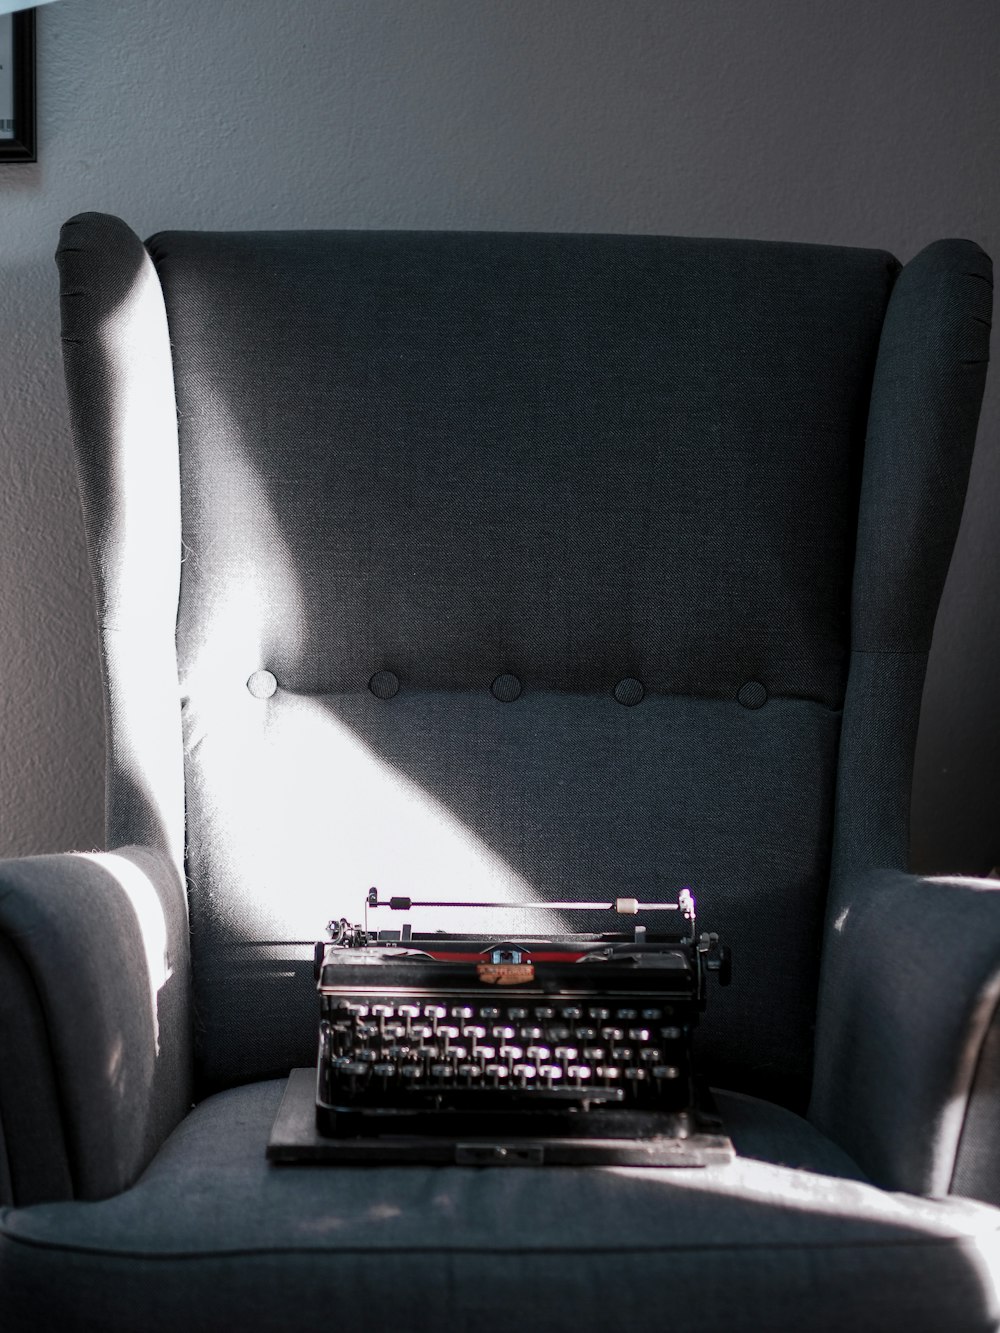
(505, 974)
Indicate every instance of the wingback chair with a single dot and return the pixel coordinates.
(504, 566)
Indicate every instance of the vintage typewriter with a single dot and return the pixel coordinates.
(571, 1048)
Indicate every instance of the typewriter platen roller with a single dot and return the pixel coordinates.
(519, 1048)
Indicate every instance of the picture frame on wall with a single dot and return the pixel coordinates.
(17, 87)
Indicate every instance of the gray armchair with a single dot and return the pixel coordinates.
(573, 566)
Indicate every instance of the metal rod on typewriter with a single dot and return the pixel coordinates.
(624, 906)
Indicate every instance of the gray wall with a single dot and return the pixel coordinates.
(852, 123)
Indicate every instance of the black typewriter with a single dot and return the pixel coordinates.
(437, 1046)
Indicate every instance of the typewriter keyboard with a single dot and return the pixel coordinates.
(441, 1052)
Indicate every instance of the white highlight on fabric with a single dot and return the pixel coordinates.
(144, 901)
(306, 817)
(794, 1188)
(952, 1120)
(139, 610)
(314, 818)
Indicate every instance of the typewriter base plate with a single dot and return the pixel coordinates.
(295, 1140)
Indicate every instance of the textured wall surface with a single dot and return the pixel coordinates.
(856, 124)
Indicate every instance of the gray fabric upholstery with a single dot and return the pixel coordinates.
(574, 460)
(929, 380)
(911, 982)
(34, 1160)
(977, 1162)
(94, 951)
(117, 358)
(497, 565)
(928, 385)
(787, 1238)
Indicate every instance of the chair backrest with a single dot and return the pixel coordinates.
(510, 566)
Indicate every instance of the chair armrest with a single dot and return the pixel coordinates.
(906, 1041)
(95, 1022)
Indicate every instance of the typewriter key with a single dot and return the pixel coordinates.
(572, 1012)
(470, 1071)
(384, 1070)
(665, 1071)
(565, 1052)
(627, 1015)
(638, 1034)
(516, 1013)
(671, 1034)
(558, 1033)
(545, 1011)
(599, 1014)
(530, 1034)
(539, 1053)
(612, 1034)
(463, 1011)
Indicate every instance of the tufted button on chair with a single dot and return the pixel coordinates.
(505, 566)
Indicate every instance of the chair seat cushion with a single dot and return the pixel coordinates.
(788, 1237)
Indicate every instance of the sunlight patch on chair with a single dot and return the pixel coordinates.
(144, 530)
(314, 818)
(306, 815)
(753, 1181)
(984, 1256)
(145, 903)
(134, 338)
(951, 1125)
